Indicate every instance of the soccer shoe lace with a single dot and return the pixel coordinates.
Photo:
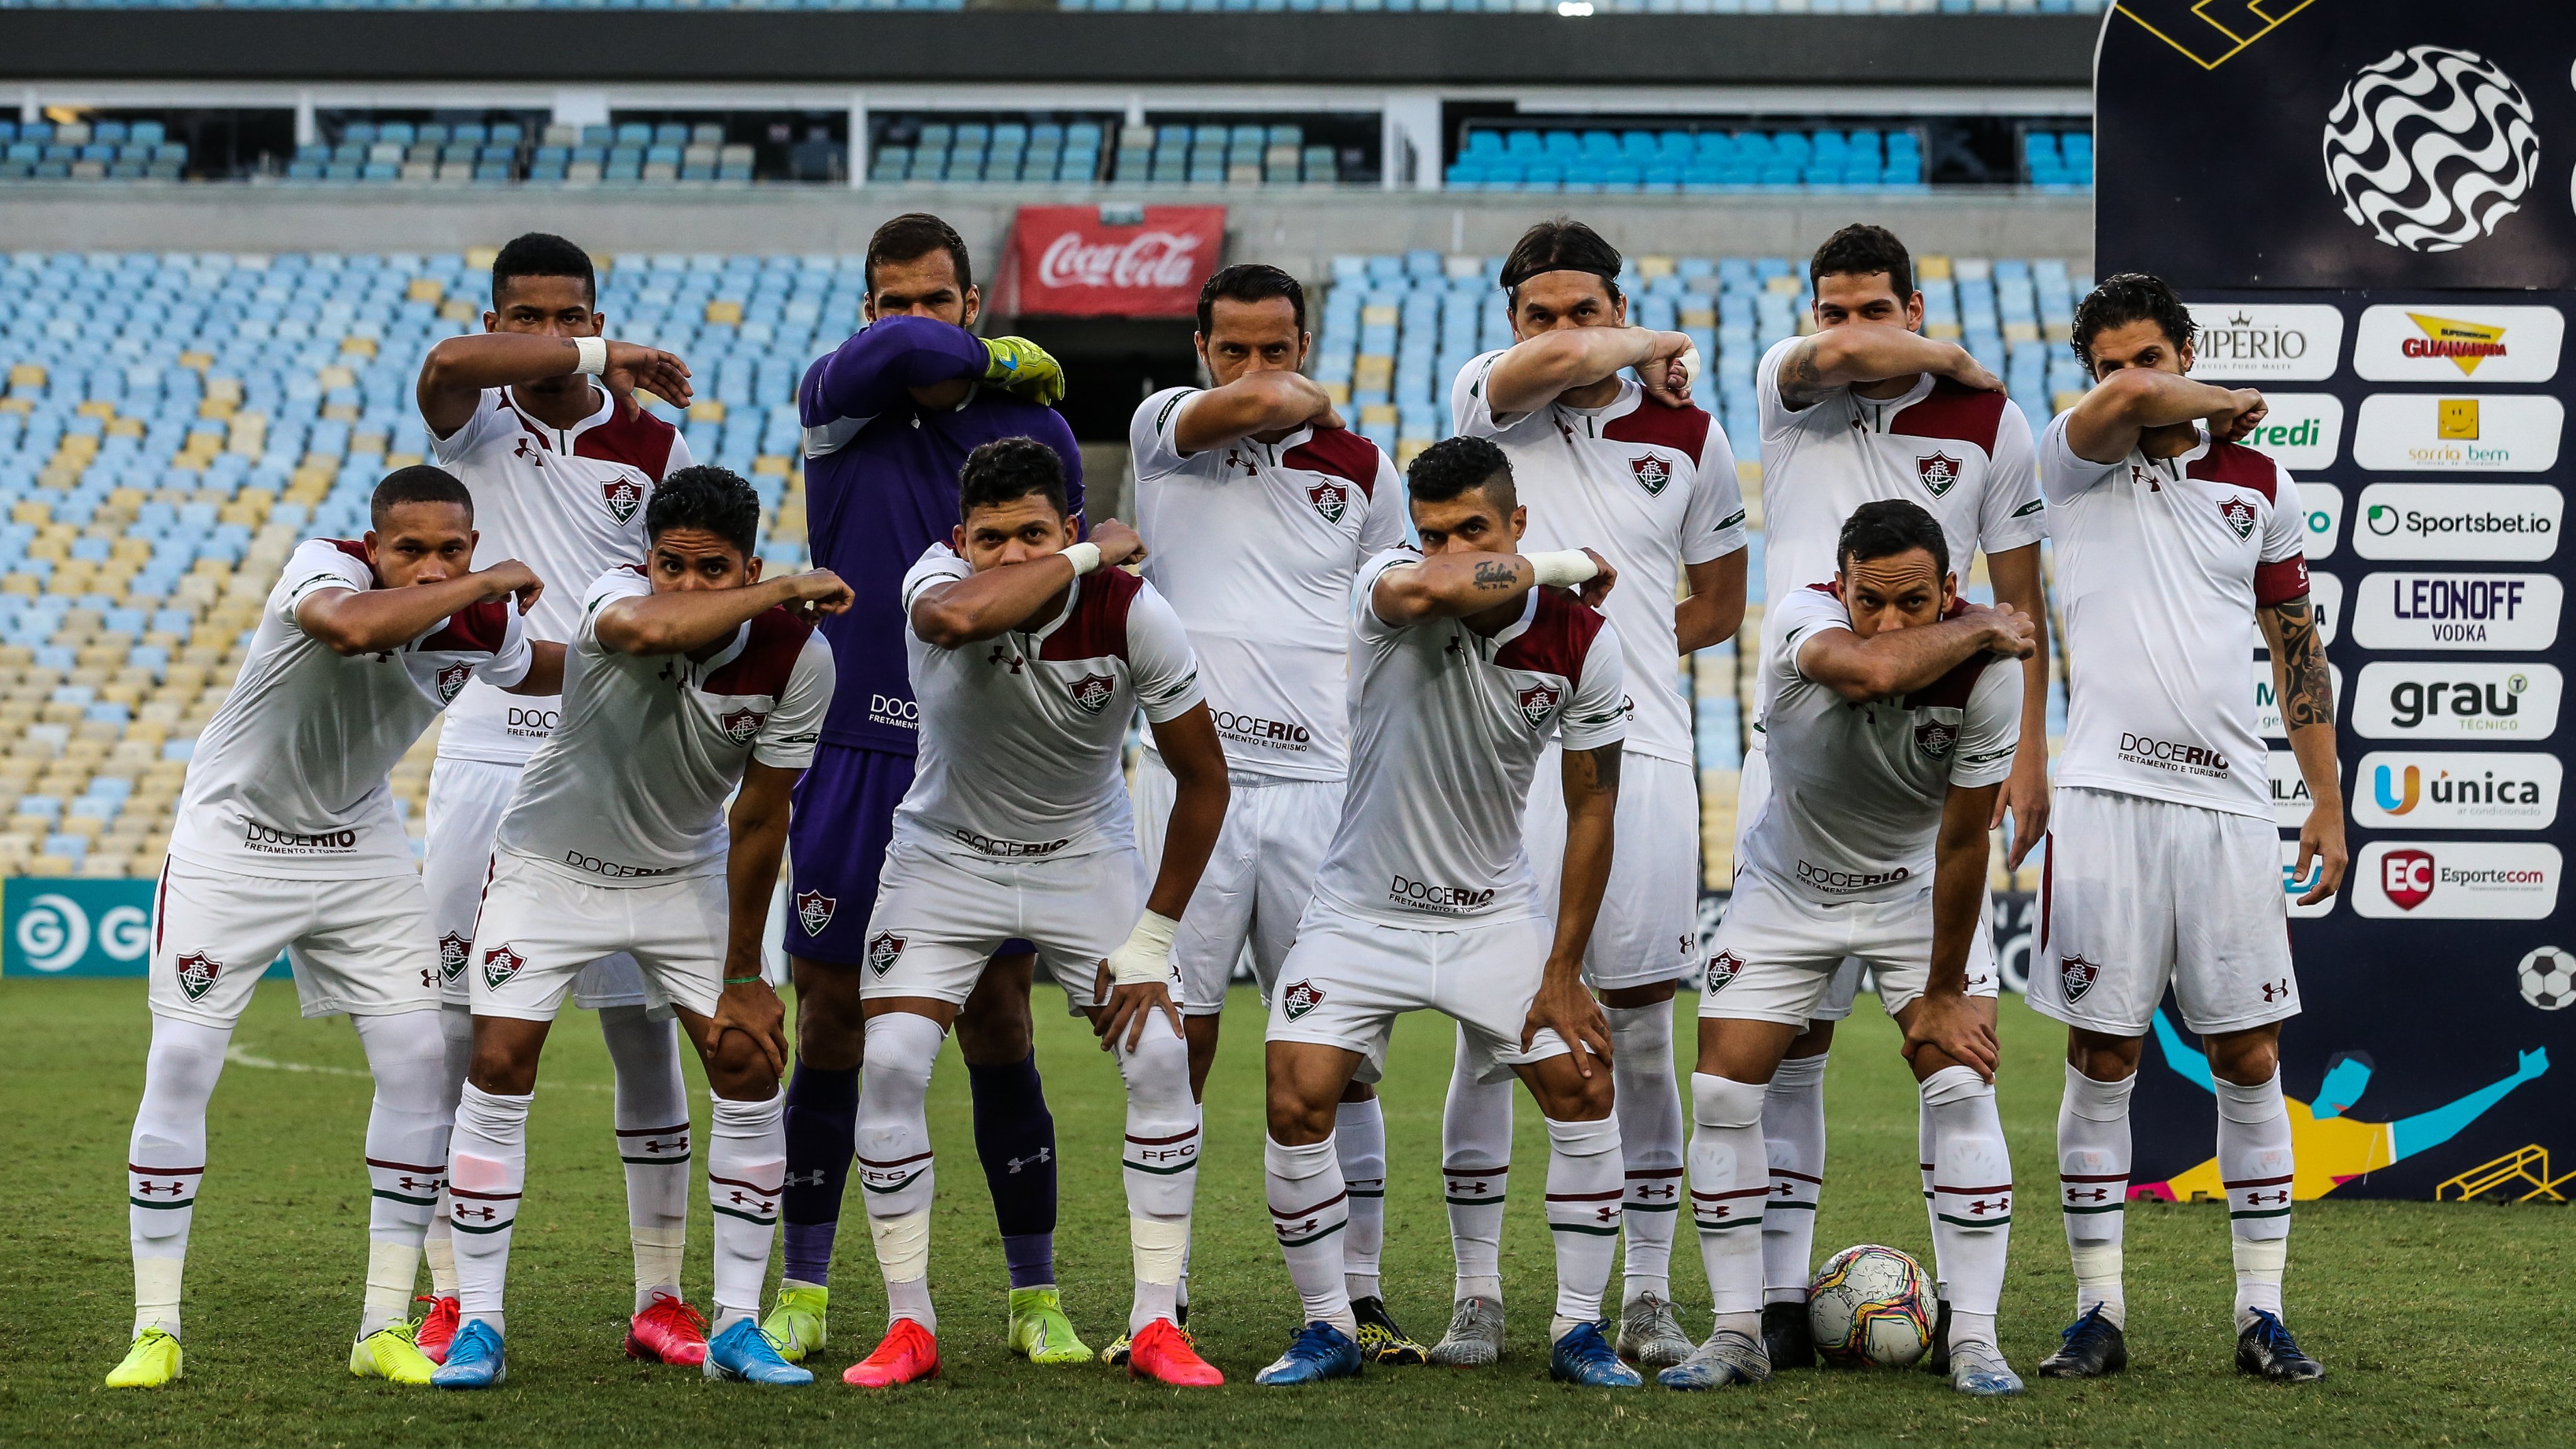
(744, 1354)
(1475, 1336)
(473, 1360)
(1041, 1333)
(1380, 1341)
(1115, 1355)
(908, 1355)
(1937, 1359)
(2090, 1346)
(795, 1325)
(154, 1360)
(1977, 1368)
(1583, 1356)
(1788, 1336)
(437, 1327)
(2266, 1350)
(668, 1331)
(1318, 1352)
(1649, 1335)
(1162, 1351)
(1728, 1357)
(389, 1353)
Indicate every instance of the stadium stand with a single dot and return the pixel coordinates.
(1486, 7)
(80, 151)
(1640, 159)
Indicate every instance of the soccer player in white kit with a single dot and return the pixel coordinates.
(1267, 506)
(1029, 656)
(2175, 546)
(689, 679)
(1464, 661)
(1894, 709)
(1632, 468)
(537, 416)
(287, 840)
(1866, 408)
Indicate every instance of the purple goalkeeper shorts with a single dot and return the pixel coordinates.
(836, 842)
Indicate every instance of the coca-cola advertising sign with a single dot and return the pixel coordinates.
(1071, 263)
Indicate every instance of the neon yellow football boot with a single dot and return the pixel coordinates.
(152, 1362)
(1039, 1330)
(389, 1353)
(796, 1324)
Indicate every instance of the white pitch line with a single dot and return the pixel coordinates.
(240, 1057)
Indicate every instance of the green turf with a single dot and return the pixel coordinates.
(2440, 1323)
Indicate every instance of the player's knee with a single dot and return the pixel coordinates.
(503, 1069)
(2248, 1059)
(994, 1028)
(738, 1070)
(2102, 1058)
(1722, 1102)
(1295, 1121)
(1565, 1094)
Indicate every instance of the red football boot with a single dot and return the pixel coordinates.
(1164, 1353)
(908, 1355)
(668, 1331)
(437, 1328)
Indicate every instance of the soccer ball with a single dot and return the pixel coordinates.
(2548, 978)
(1870, 1307)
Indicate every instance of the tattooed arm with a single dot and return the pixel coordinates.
(1871, 352)
(1454, 585)
(2306, 692)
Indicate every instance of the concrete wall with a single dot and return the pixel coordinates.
(1295, 229)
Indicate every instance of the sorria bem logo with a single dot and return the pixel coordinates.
(2431, 147)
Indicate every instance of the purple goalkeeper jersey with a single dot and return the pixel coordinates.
(881, 486)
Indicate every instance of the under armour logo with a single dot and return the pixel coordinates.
(1650, 1192)
(148, 1189)
(2276, 990)
(2256, 1199)
(740, 1199)
(1472, 1185)
(411, 1184)
(1720, 1211)
(812, 1179)
(479, 1214)
(1607, 1213)
(1003, 653)
(2096, 1195)
(1457, 646)
(1779, 1189)
(656, 1144)
(1981, 1207)
(1307, 1226)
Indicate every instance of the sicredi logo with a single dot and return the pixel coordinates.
(2491, 612)
(2444, 342)
(2425, 432)
(2506, 521)
(2301, 430)
(2454, 700)
(2323, 504)
(2456, 790)
(2265, 341)
(2295, 884)
(2456, 880)
(2267, 704)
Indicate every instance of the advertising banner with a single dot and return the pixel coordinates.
(1073, 261)
(2368, 205)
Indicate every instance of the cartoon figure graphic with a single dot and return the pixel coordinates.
(2331, 1148)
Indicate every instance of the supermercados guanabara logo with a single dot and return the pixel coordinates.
(2431, 147)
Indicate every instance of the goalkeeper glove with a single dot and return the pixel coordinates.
(1023, 369)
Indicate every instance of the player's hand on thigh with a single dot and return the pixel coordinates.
(752, 1008)
(1124, 1010)
(1565, 1007)
(1952, 1026)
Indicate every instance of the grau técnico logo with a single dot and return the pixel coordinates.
(2430, 148)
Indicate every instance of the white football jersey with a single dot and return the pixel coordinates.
(2161, 564)
(1964, 455)
(1857, 790)
(1020, 733)
(630, 788)
(288, 779)
(1446, 730)
(1650, 488)
(568, 503)
(1254, 545)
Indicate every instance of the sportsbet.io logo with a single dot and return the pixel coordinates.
(884, 949)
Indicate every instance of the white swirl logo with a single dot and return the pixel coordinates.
(2431, 148)
(54, 933)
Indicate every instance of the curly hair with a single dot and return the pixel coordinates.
(1007, 470)
(1461, 465)
(706, 497)
(2126, 297)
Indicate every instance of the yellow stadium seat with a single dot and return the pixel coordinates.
(48, 865)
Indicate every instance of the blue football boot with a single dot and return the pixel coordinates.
(1318, 1352)
(473, 1360)
(1584, 1356)
(744, 1354)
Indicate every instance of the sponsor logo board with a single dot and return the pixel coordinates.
(2457, 880)
(2323, 504)
(2455, 700)
(2504, 521)
(2424, 432)
(2267, 703)
(2325, 600)
(2457, 611)
(2295, 884)
(2303, 430)
(2445, 341)
(2290, 797)
(2429, 147)
(2266, 341)
(2456, 790)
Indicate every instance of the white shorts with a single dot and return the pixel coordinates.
(2136, 895)
(357, 946)
(543, 926)
(1778, 955)
(1648, 929)
(938, 919)
(1258, 879)
(1347, 980)
(466, 801)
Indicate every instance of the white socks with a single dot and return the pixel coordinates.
(407, 1129)
(487, 1169)
(1360, 1129)
(2254, 1161)
(165, 1159)
(1971, 1198)
(1309, 1207)
(1730, 1177)
(1160, 1163)
(1584, 1189)
(2093, 1187)
(1793, 1139)
(894, 1161)
(1476, 1164)
(653, 1141)
(456, 1029)
(1650, 1142)
(746, 1172)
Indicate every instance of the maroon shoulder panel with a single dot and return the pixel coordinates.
(777, 638)
(1098, 628)
(1557, 640)
(632, 436)
(477, 629)
(2239, 465)
(1339, 452)
(354, 548)
(1652, 422)
(1951, 690)
(1953, 410)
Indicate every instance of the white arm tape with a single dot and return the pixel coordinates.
(1084, 557)
(1563, 568)
(594, 355)
(1147, 956)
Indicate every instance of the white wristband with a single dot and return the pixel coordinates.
(1083, 556)
(594, 355)
(1563, 568)
(1147, 956)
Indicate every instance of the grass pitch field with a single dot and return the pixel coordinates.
(2441, 1324)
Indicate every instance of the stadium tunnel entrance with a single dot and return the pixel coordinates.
(1110, 365)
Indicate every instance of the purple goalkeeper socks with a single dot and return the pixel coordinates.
(1015, 1138)
(822, 1129)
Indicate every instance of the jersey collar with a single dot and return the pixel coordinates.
(606, 410)
(1517, 627)
(1072, 600)
(1630, 396)
(1879, 410)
